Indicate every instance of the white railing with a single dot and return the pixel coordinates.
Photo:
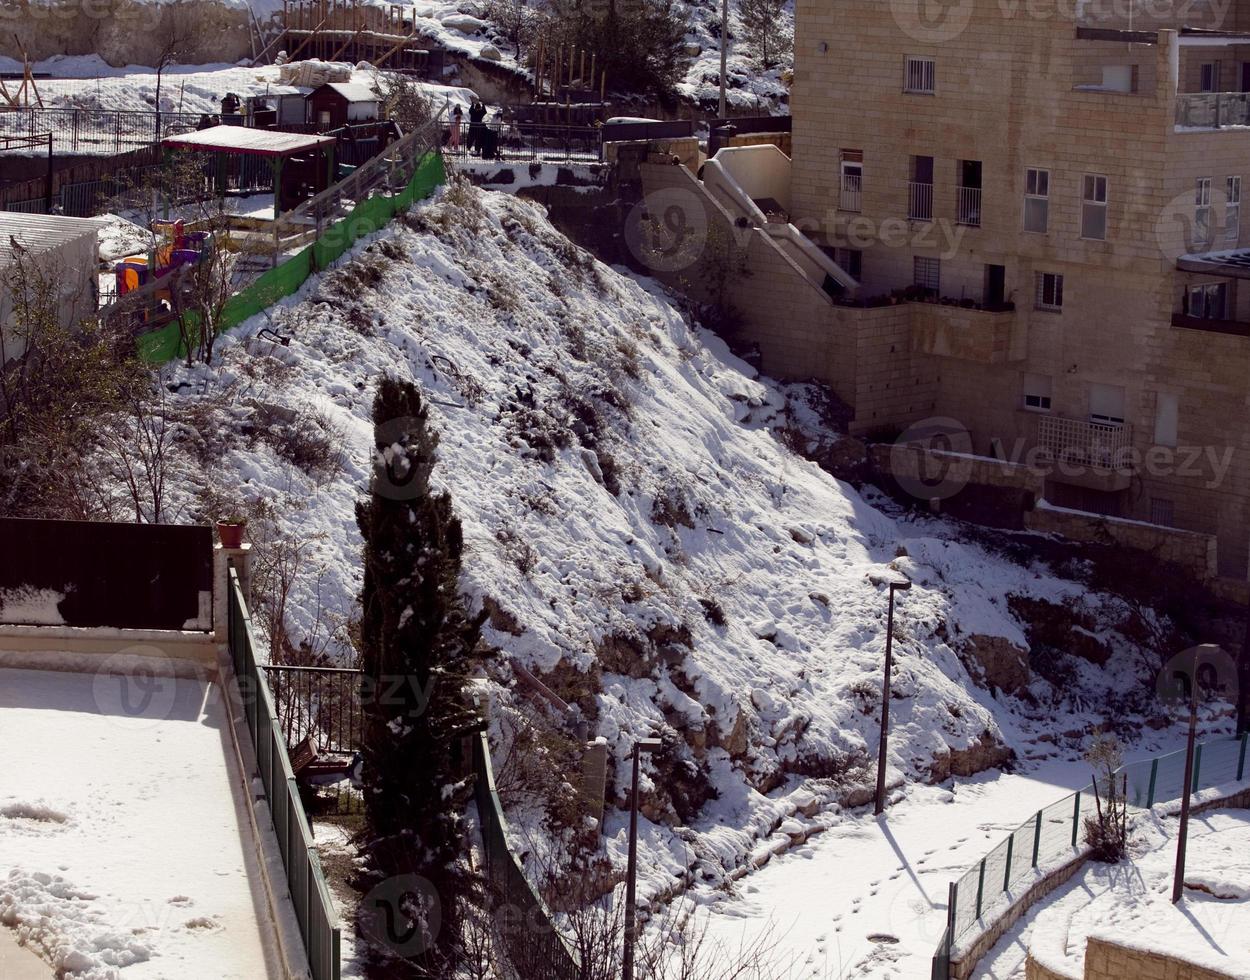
(968, 206)
(1213, 110)
(851, 186)
(1101, 444)
(919, 201)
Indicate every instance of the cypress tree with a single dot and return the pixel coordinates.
(417, 644)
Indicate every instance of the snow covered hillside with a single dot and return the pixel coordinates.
(643, 539)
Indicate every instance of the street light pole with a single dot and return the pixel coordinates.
(647, 745)
(895, 586)
(724, 56)
(1182, 831)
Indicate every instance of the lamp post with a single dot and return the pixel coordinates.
(895, 585)
(724, 56)
(1188, 683)
(647, 745)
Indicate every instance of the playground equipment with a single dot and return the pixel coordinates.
(176, 249)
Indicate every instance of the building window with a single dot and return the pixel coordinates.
(927, 273)
(968, 194)
(920, 189)
(1036, 199)
(920, 76)
(1049, 291)
(1094, 207)
(1167, 414)
(851, 260)
(1037, 392)
(1202, 212)
(1209, 77)
(1163, 511)
(1106, 404)
(1232, 211)
(1207, 301)
(852, 180)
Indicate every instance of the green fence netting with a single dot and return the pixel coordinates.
(369, 216)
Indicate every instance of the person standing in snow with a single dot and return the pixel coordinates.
(453, 139)
(477, 113)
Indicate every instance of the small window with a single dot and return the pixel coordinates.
(1094, 207)
(1209, 77)
(1202, 212)
(1207, 301)
(323, 117)
(1232, 211)
(920, 76)
(1049, 291)
(927, 273)
(1163, 511)
(1037, 392)
(852, 180)
(851, 260)
(1106, 404)
(1167, 413)
(1036, 199)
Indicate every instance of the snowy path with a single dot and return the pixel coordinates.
(122, 848)
(867, 898)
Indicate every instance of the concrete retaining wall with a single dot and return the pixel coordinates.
(1106, 960)
(1194, 552)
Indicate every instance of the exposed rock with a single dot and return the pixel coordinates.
(490, 53)
(1003, 664)
(987, 752)
(500, 618)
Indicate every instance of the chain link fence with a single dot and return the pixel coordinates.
(1057, 831)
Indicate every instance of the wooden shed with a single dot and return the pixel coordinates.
(336, 104)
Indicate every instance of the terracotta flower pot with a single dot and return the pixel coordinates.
(231, 535)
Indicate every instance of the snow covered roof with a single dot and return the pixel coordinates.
(351, 91)
(243, 139)
(40, 232)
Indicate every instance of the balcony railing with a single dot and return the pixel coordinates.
(1213, 110)
(1102, 445)
(851, 184)
(968, 206)
(919, 201)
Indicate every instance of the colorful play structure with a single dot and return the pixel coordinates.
(177, 248)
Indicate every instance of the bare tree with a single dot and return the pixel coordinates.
(136, 450)
(403, 101)
(516, 19)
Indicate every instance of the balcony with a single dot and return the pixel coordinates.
(1212, 110)
(1235, 328)
(851, 198)
(919, 201)
(1087, 454)
(968, 206)
(965, 333)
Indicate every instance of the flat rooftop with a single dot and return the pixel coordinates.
(247, 141)
(125, 843)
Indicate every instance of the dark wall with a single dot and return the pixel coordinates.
(132, 576)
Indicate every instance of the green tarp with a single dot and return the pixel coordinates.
(369, 216)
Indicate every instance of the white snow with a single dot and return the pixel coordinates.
(124, 848)
(550, 376)
(1131, 903)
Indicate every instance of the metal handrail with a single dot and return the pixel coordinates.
(310, 894)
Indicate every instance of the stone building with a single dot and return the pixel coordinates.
(1044, 218)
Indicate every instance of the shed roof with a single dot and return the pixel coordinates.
(248, 141)
(41, 232)
(351, 91)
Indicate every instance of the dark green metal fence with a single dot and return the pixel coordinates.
(314, 908)
(534, 947)
(1057, 831)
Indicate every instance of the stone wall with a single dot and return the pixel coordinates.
(1106, 960)
(1193, 551)
(127, 32)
